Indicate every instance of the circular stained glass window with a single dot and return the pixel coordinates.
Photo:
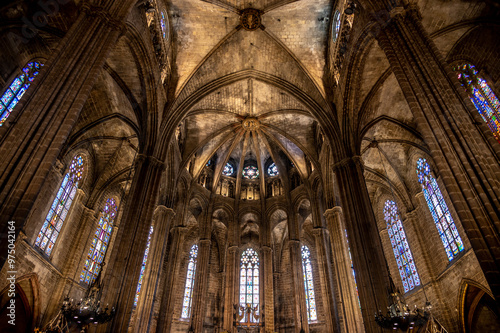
(228, 170)
(250, 172)
(272, 170)
(336, 25)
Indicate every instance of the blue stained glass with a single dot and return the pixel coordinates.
(481, 95)
(308, 284)
(16, 90)
(98, 248)
(439, 210)
(272, 170)
(336, 26)
(402, 253)
(228, 170)
(163, 26)
(250, 172)
(61, 204)
(143, 266)
(249, 288)
(191, 271)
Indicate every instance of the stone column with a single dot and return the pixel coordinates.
(268, 288)
(366, 248)
(48, 112)
(163, 315)
(126, 259)
(231, 286)
(151, 281)
(325, 274)
(349, 307)
(201, 282)
(300, 308)
(465, 152)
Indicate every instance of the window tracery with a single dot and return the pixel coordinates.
(250, 172)
(228, 170)
(402, 252)
(100, 242)
(190, 276)
(481, 95)
(308, 284)
(249, 282)
(17, 88)
(272, 170)
(60, 206)
(445, 225)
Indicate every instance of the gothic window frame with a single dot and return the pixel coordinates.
(336, 25)
(444, 220)
(228, 167)
(308, 275)
(101, 238)
(254, 174)
(243, 284)
(272, 170)
(143, 266)
(13, 92)
(400, 247)
(487, 104)
(61, 206)
(187, 299)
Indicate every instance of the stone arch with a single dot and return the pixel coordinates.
(477, 309)
(26, 302)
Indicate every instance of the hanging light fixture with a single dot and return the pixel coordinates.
(83, 313)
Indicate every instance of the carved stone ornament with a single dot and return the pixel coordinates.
(250, 19)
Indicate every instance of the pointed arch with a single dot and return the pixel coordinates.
(13, 94)
(309, 284)
(445, 225)
(481, 95)
(189, 287)
(54, 221)
(100, 243)
(400, 247)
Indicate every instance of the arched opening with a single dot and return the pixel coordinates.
(478, 310)
(22, 304)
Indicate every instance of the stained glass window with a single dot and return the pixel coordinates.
(336, 26)
(163, 26)
(17, 89)
(100, 242)
(440, 213)
(60, 207)
(308, 284)
(481, 95)
(352, 267)
(143, 267)
(249, 283)
(228, 170)
(272, 170)
(250, 172)
(188, 290)
(397, 235)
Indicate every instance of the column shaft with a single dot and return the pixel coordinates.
(366, 248)
(150, 284)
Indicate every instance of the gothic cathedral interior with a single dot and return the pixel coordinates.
(271, 166)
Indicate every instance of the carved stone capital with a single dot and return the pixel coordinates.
(331, 212)
(102, 13)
